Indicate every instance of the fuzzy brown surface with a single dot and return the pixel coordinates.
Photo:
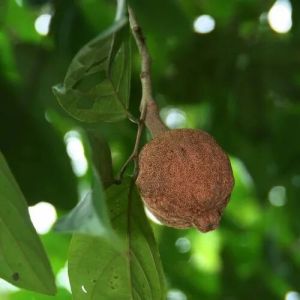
(185, 179)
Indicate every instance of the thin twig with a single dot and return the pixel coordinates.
(145, 61)
(148, 107)
(133, 155)
(146, 89)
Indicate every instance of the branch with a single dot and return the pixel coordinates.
(148, 107)
(145, 60)
(149, 113)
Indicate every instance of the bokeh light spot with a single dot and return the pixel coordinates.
(280, 16)
(277, 196)
(183, 245)
(75, 151)
(176, 295)
(204, 24)
(62, 279)
(43, 215)
(292, 295)
(7, 288)
(173, 117)
(42, 24)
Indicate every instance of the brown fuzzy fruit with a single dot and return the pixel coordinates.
(185, 179)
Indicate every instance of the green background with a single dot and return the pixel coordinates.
(241, 83)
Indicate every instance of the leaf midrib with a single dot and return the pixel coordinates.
(109, 75)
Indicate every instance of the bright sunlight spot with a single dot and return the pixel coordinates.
(277, 195)
(176, 295)
(173, 117)
(75, 151)
(42, 24)
(280, 16)
(292, 295)
(43, 216)
(150, 215)
(183, 245)
(204, 24)
(62, 278)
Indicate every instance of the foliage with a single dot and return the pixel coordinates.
(131, 271)
(96, 87)
(240, 83)
(23, 260)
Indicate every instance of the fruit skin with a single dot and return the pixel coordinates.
(185, 179)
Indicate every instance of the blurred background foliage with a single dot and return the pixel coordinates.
(240, 81)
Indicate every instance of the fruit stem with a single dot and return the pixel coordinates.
(149, 110)
(148, 107)
(153, 121)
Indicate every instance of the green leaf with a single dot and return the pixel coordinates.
(90, 216)
(21, 19)
(97, 84)
(23, 261)
(100, 154)
(98, 270)
(62, 294)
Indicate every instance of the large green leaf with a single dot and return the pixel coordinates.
(23, 261)
(97, 84)
(90, 216)
(98, 270)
